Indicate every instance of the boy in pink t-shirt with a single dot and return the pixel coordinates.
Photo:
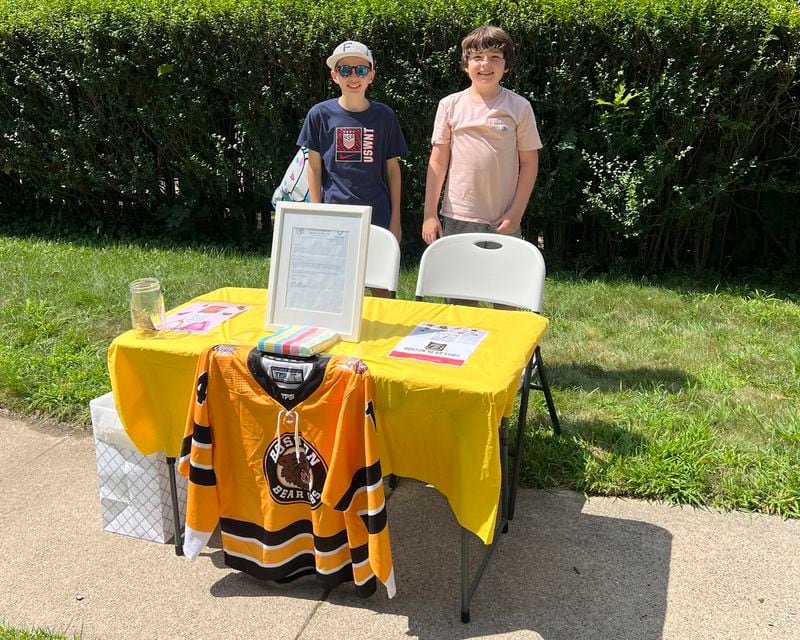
(485, 142)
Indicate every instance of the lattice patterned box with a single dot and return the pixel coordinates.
(134, 489)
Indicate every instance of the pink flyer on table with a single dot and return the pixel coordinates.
(202, 317)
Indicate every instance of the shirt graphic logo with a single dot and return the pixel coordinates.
(295, 471)
(349, 144)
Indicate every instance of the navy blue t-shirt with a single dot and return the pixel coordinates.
(355, 147)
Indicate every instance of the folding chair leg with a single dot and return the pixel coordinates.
(551, 407)
(504, 474)
(522, 421)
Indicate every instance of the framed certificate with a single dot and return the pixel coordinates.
(317, 267)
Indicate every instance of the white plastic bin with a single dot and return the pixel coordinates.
(134, 489)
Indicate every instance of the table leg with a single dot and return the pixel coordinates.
(465, 595)
(176, 516)
(468, 588)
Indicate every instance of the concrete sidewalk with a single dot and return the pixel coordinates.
(569, 568)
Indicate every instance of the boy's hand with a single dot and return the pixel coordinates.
(431, 229)
(507, 226)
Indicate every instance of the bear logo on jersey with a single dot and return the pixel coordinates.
(294, 472)
(292, 480)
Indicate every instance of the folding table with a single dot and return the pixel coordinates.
(441, 424)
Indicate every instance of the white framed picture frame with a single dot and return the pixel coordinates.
(317, 267)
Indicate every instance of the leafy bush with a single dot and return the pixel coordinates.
(671, 127)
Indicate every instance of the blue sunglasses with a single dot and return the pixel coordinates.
(346, 70)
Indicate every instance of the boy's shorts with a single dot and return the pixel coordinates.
(452, 227)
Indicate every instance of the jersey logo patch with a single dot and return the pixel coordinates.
(202, 387)
(349, 144)
(223, 349)
(292, 480)
(370, 412)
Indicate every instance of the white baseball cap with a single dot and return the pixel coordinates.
(347, 49)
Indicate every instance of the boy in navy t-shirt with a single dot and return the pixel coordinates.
(354, 143)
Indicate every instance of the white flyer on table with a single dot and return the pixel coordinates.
(439, 344)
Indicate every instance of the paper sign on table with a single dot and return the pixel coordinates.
(439, 344)
(202, 317)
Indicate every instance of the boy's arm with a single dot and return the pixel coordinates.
(314, 176)
(394, 178)
(528, 170)
(434, 181)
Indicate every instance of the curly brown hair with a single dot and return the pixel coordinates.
(487, 37)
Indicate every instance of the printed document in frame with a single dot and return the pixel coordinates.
(318, 265)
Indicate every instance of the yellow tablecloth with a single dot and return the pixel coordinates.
(437, 423)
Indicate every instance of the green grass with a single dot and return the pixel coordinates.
(672, 392)
(10, 633)
(674, 389)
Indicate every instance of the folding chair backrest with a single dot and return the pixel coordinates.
(383, 260)
(483, 267)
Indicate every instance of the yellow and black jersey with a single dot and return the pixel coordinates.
(284, 455)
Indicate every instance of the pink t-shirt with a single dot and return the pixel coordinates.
(484, 140)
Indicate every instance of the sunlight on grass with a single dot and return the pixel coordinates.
(687, 396)
(63, 303)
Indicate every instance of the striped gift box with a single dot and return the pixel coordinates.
(298, 340)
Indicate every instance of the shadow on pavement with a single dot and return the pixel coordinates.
(558, 573)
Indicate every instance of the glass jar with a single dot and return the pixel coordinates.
(147, 305)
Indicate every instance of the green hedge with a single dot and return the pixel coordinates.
(671, 127)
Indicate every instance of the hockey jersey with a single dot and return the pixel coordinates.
(284, 455)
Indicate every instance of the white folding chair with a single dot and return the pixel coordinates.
(487, 267)
(383, 260)
(484, 267)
